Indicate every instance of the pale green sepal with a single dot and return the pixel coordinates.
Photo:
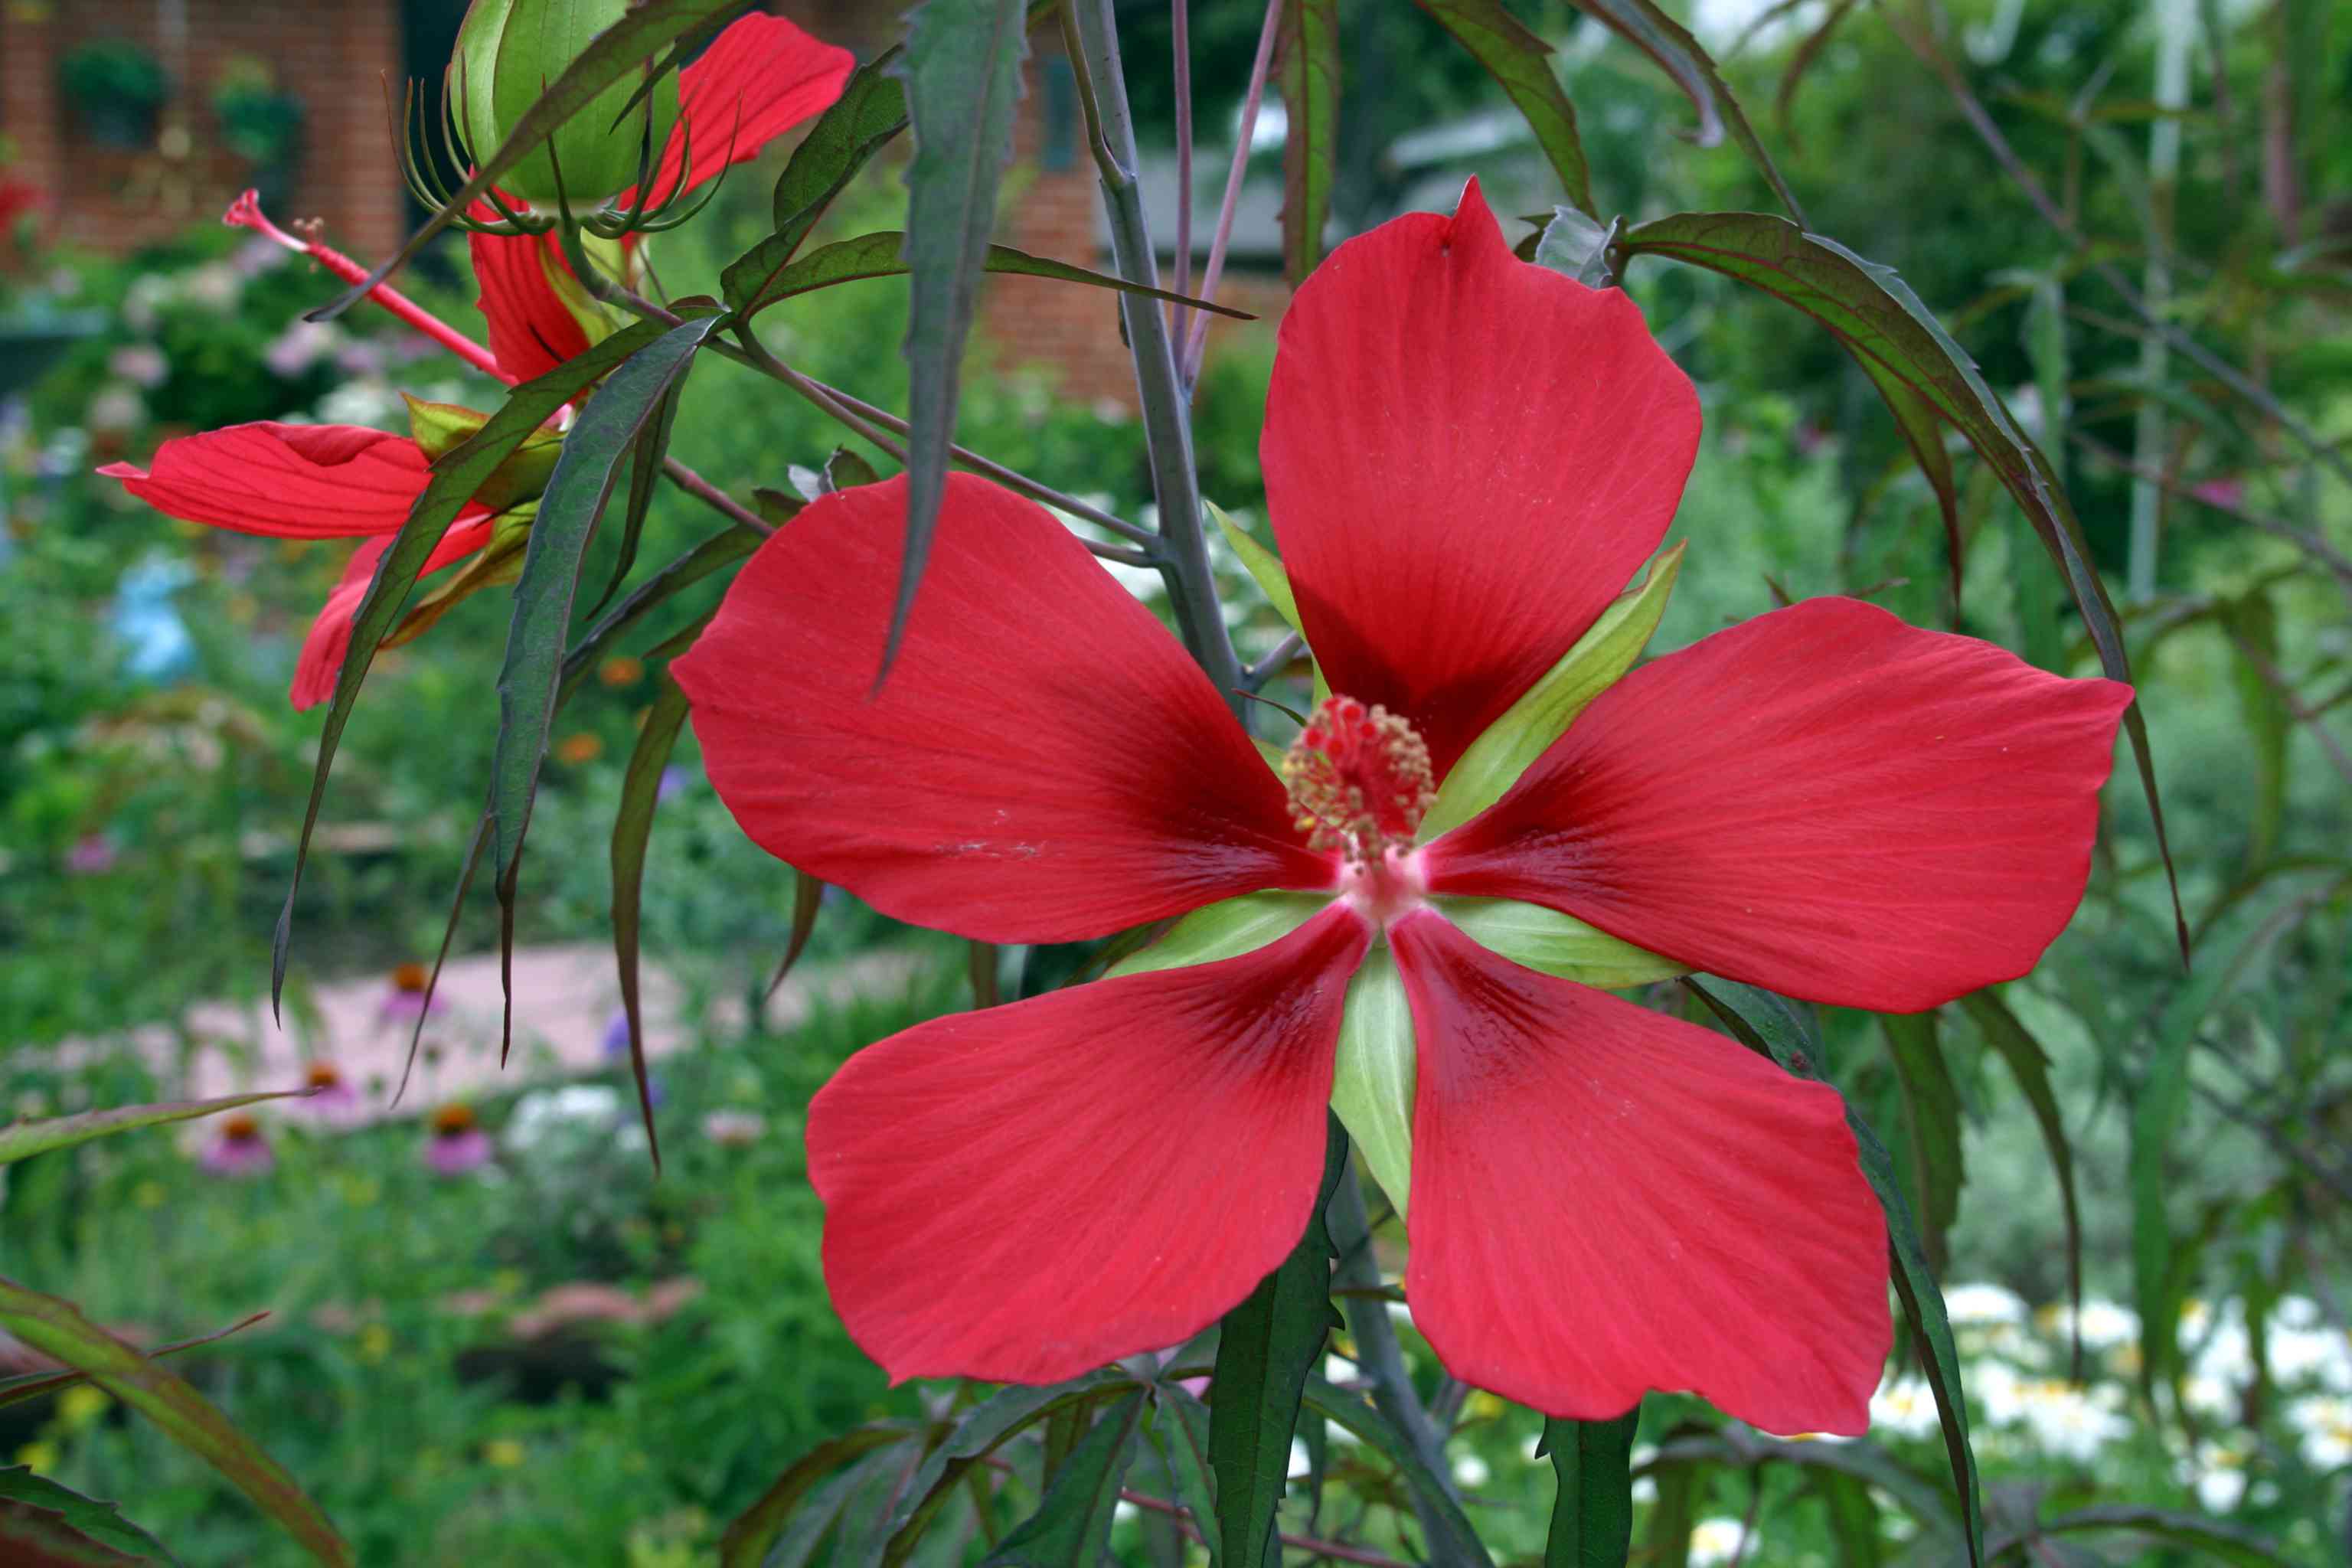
(1496, 759)
(1226, 929)
(1269, 750)
(1371, 1085)
(1263, 566)
(1556, 944)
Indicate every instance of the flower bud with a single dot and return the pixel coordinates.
(508, 53)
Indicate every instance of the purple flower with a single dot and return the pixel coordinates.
(2223, 493)
(673, 779)
(615, 1041)
(333, 1100)
(408, 999)
(91, 854)
(239, 1150)
(457, 1143)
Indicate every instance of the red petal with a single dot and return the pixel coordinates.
(1465, 459)
(1026, 1192)
(322, 660)
(758, 79)
(1045, 763)
(1607, 1201)
(532, 331)
(1824, 801)
(290, 481)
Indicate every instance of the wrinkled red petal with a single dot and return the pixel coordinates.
(1026, 1192)
(1824, 801)
(1607, 1201)
(1465, 458)
(1045, 763)
(530, 329)
(758, 79)
(322, 659)
(288, 481)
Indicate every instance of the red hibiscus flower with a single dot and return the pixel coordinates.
(1466, 458)
(758, 79)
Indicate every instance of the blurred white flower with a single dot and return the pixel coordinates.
(141, 364)
(1301, 1462)
(362, 400)
(115, 407)
(2325, 1424)
(301, 345)
(2296, 1312)
(1906, 1405)
(553, 1111)
(2219, 1474)
(2104, 1324)
(1717, 1541)
(2210, 1397)
(2323, 1356)
(1339, 1369)
(2071, 1422)
(1995, 1392)
(216, 285)
(1470, 1471)
(1983, 1303)
(734, 1129)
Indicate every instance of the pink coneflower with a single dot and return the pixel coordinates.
(239, 1150)
(91, 854)
(458, 1145)
(332, 1099)
(407, 997)
(733, 1129)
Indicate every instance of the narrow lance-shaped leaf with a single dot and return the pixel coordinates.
(1923, 434)
(1768, 1022)
(2211, 1540)
(644, 473)
(1592, 1511)
(715, 554)
(38, 1384)
(577, 494)
(1266, 1347)
(633, 825)
(981, 1431)
(871, 110)
(1306, 72)
(745, 1544)
(963, 74)
(456, 477)
(1180, 1430)
(808, 897)
(1680, 56)
(884, 255)
(1521, 63)
(1071, 1528)
(1456, 1543)
(57, 1330)
(1877, 318)
(51, 1521)
(620, 50)
(1931, 1124)
(2030, 1065)
(23, 1139)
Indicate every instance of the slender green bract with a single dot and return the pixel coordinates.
(1521, 63)
(746, 1541)
(1267, 1348)
(884, 255)
(1071, 1528)
(1307, 73)
(65, 1521)
(633, 825)
(962, 75)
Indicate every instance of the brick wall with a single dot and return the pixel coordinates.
(334, 55)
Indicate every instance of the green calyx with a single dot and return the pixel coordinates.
(441, 428)
(1542, 715)
(1224, 930)
(509, 52)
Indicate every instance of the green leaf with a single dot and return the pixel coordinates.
(528, 680)
(1592, 1511)
(1878, 320)
(23, 1139)
(455, 479)
(1672, 1516)
(1180, 1430)
(1263, 567)
(883, 255)
(1372, 1081)
(871, 110)
(2218, 1541)
(1931, 1124)
(978, 1432)
(1529, 727)
(1862, 1462)
(747, 1540)
(962, 73)
(1521, 63)
(808, 897)
(59, 1331)
(88, 1519)
(1226, 929)
(38, 1384)
(1668, 42)
(1071, 1528)
(1923, 434)
(2030, 1065)
(1556, 944)
(1267, 1348)
(633, 825)
(619, 51)
(1307, 74)
(1853, 1518)
(1358, 1415)
(715, 554)
(2251, 621)
(644, 473)
(1769, 1024)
